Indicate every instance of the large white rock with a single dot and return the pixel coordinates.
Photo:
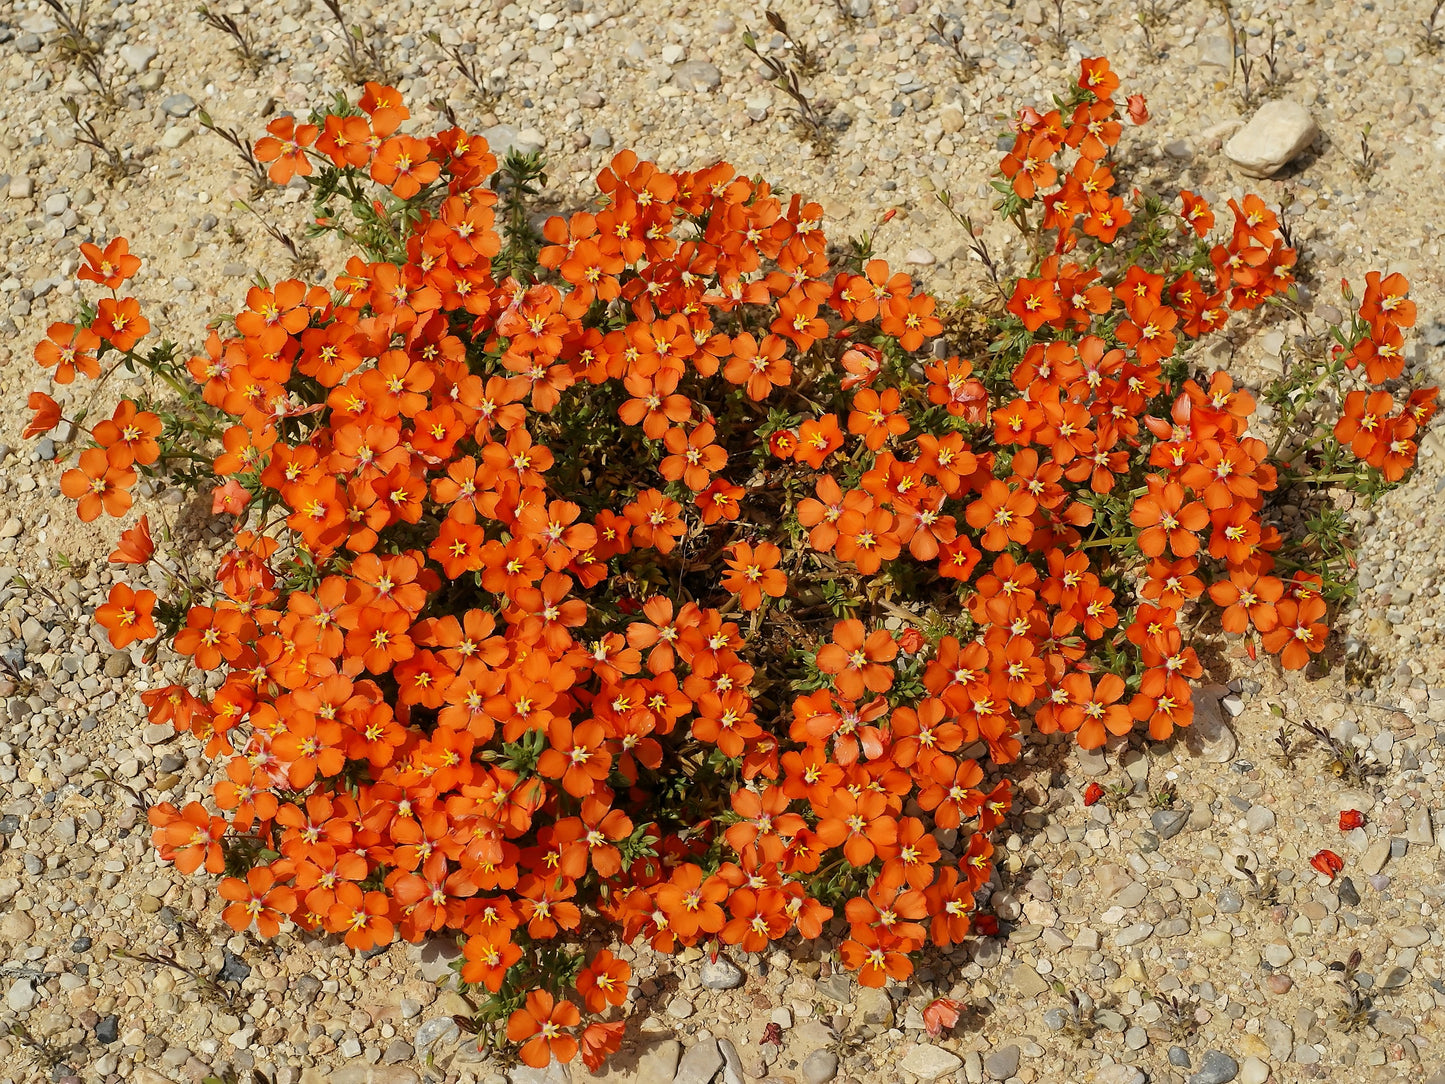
(1272, 139)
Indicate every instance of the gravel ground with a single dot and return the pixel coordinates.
(1180, 968)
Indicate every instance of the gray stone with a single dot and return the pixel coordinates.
(721, 974)
(1002, 1063)
(697, 76)
(1273, 138)
(22, 996)
(178, 105)
(600, 139)
(874, 1006)
(820, 1066)
(732, 1064)
(658, 1064)
(1258, 819)
(1217, 1068)
(138, 57)
(441, 1029)
(699, 1064)
(1179, 1057)
(28, 43)
(928, 1062)
(680, 1008)
(1348, 893)
(1409, 936)
(1215, 50)
(1208, 737)
(1168, 823)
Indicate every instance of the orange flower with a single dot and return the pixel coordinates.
(603, 982)
(542, 1027)
(47, 415)
(126, 615)
(109, 267)
(285, 148)
(129, 435)
(754, 573)
(120, 322)
(857, 662)
(257, 899)
(97, 485)
(71, 350)
(136, 547)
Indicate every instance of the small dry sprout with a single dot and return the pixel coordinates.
(808, 63)
(1262, 890)
(1150, 15)
(304, 262)
(243, 42)
(1367, 161)
(1079, 1023)
(46, 1054)
(952, 37)
(259, 180)
(76, 45)
(786, 78)
(1166, 796)
(1432, 35)
(209, 987)
(1176, 1017)
(112, 166)
(364, 60)
(487, 89)
(1357, 1010)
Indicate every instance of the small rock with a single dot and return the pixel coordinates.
(1217, 1068)
(1409, 936)
(1273, 138)
(107, 1029)
(697, 76)
(118, 664)
(397, 1051)
(1179, 1057)
(157, 733)
(28, 43)
(1376, 857)
(600, 139)
(439, 1029)
(928, 1062)
(680, 1008)
(1258, 819)
(1348, 893)
(658, 1064)
(721, 974)
(951, 116)
(1168, 823)
(673, 54)
(700, 1064)
(820, 1066)
(1253, 1071)
(175, 136)
(17, 926)
(1421, 832)
(1119, 1073)
(21, 188)
(138, 57)
(178, 105)
(22, 996)
(1002, 1063)
(874, 1006)
(1208, 737)
(920, 257)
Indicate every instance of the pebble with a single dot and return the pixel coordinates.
(1119, 1073)
(1348, 894)
(697, 76)
(22, 996)
(920, 257)
(721, 974)
(1002, 1063)
(928, 1062)
(1168, 823)
(1275, 136)
(178, 105)
(1375, 858)
(700, 1064)
(138, 57)
(680, 1008)
(1253, 1071)
(820, 1066)
(1216, 1068)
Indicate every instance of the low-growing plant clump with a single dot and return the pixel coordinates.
(674, 577)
